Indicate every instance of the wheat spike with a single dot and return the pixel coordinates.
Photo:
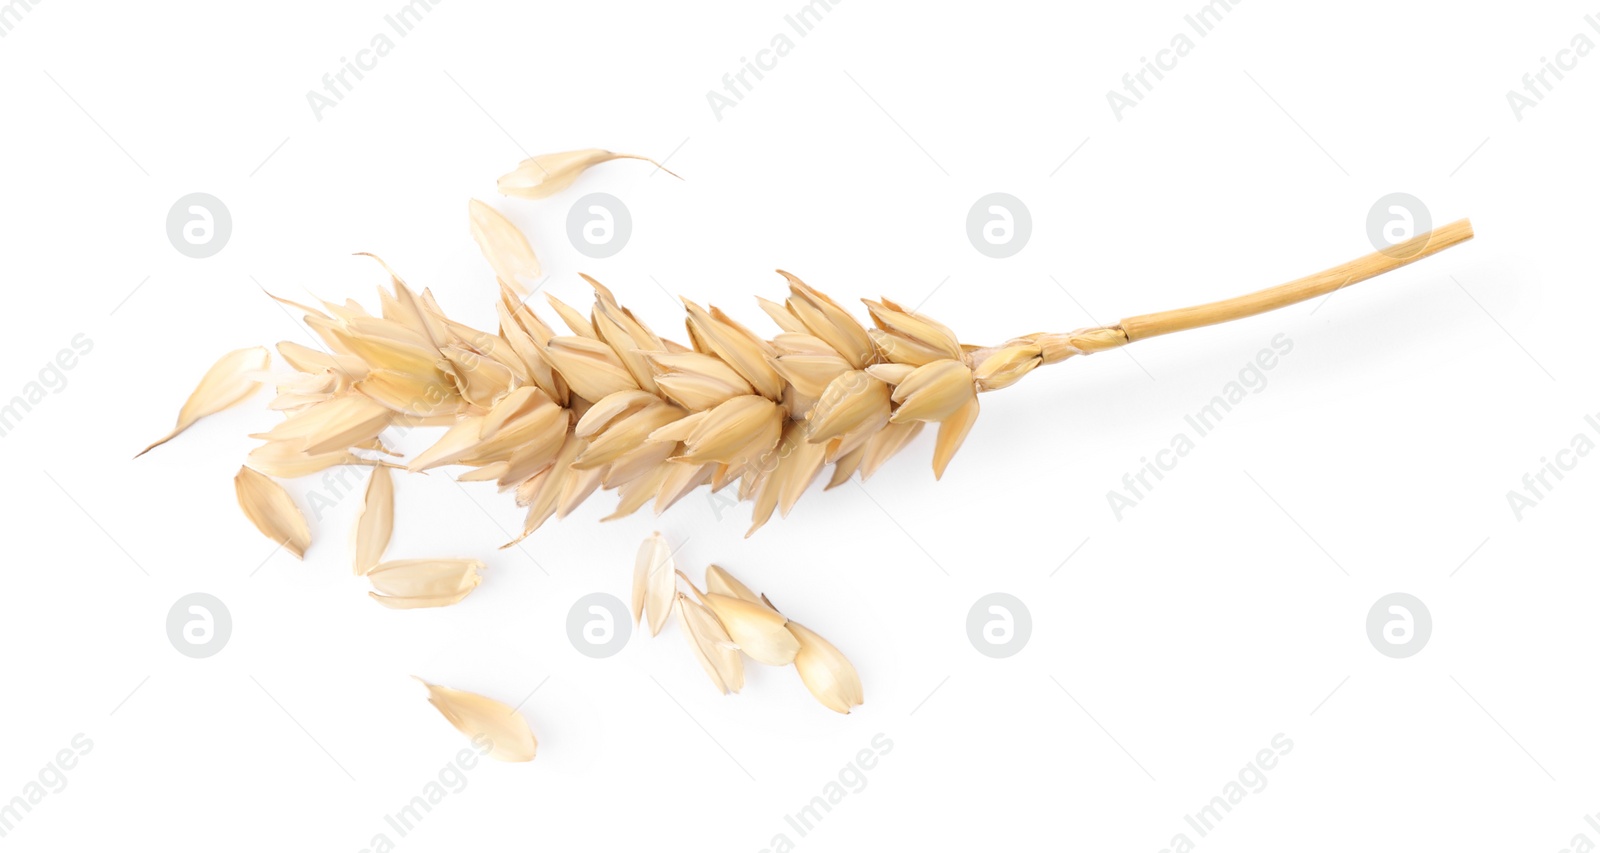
(614, 406)
(651, 418)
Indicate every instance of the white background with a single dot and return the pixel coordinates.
(1171, 647)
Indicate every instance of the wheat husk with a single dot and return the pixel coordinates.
(654, 583)
(413, 584)
(229, 381)
(272, 511)
(548, 174)
(488, 723)
(712, 646)
(375, 522)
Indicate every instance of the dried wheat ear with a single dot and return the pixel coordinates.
(611, 404)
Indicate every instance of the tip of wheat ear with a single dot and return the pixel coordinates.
(554, 416)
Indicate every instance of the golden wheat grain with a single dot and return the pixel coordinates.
(825, 671)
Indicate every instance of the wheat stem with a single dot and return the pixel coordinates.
(1318, 284)
(1053, 347)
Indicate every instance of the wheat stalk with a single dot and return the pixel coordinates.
(612, 405)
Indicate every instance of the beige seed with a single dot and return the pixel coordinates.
(825, 671)
(757, 629)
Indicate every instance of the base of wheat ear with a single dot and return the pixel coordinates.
(612, 405)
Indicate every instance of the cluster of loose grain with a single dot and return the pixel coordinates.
(728, 622)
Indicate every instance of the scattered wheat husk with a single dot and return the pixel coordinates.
(375, 523)
(412, 584)
(654, 582)
(490, 725)
(501, 242)
(272, 511)
(548, 174)
(712, 646)
(229, 381)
